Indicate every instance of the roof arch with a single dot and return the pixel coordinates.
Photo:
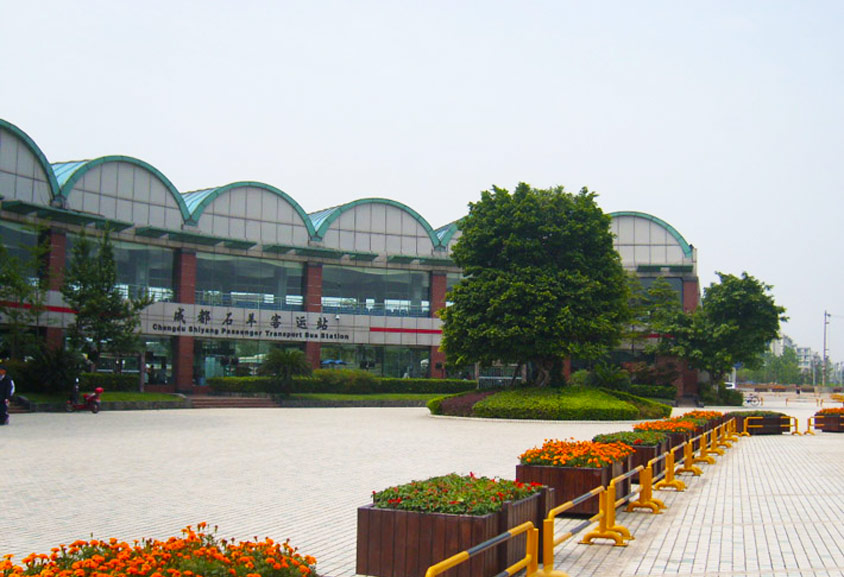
(69, 173)
(198, 200)
(685, 246)
(447, 232)
(38, 153)
(323, 219)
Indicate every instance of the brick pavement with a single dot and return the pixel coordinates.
(771, 506)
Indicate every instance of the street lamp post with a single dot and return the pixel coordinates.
(826, 316)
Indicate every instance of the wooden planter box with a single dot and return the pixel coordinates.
(645, 453)
(571, 482)
(677, 439)
(766, 426)
(829, 423)
(395, 543)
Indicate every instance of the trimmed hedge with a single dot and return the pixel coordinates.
(346, 381)
(647, 408)
(654, 391)
(567, 404)
(109, 381)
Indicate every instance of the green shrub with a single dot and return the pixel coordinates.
(579, 378)
(720, 395)
(609, 377)
(654, 391)
(647, 408)
(109, 381)
(633, 438)
(343, 381)
(567, 404)
(435, 405)
(757, 413)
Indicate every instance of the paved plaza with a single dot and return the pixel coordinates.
(771, 506)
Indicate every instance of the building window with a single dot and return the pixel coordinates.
(374, 291)
(227, 280)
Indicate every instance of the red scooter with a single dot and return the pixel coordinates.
(89, 402)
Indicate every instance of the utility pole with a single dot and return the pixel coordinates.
(826, 316)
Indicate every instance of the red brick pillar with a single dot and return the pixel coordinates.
(438, 290)
(691, 295)
(688, 384)
(184, 286)
(313, 304)
(56, 262)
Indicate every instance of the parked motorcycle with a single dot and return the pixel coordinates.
(89, 402)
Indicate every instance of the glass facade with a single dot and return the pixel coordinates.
(375, 291)
(20, 241)
(384, 361)
(141, 268)
(218, 358)
(228, 280)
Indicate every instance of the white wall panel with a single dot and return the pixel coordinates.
(238, 203)
(108, 177)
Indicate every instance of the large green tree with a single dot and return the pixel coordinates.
(735, 323)
(105, 321)
(23, 297)
(782, 369)
(542, 281)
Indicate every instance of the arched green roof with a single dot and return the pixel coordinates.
(198, 200)
(447, 232)
(39, 155)
(687, 249)
(71, 172)
(323, 219)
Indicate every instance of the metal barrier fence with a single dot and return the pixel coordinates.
(712, 441)
(529, 561)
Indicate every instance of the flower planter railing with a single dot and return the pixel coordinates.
(530, 560)
(397, 543)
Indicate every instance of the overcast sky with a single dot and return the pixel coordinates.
(722, 118)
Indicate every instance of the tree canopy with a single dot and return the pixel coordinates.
(105, 321)
(736, 322)
(543, 281)
(23, 297)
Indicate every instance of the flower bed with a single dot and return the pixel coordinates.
(198, 553)
(410, 527)
(711, 419)
(830, 420)
(646, 445)
(573, 468)
(678, 431)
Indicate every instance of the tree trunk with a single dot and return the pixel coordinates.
(543, 372)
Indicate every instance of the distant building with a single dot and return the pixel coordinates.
(238, 268)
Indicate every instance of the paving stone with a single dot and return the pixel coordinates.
(769, 506)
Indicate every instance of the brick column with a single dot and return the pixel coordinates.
(313, 304)
(688, 383)
(437, 299)
(184, 285)
(691, 295)
(56, 262)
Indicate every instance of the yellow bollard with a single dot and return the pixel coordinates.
(670, 481)
(703, 455)
(810, 426)
(723, 441)
(689, 459)
(713, 443)
(607, 529)
(646, 499)
(793, 423)
(732, 434)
